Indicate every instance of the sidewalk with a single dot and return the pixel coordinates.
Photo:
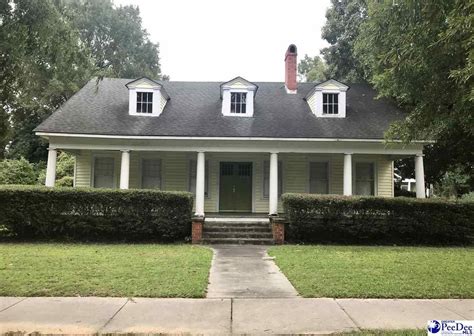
(222, 316)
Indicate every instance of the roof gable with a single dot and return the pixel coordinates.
(332, 84)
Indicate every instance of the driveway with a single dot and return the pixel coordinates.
(246, 271)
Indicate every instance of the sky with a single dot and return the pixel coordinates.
(211, 40)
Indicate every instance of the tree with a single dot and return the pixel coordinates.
(341, 30)
(312, 69)
(421, 55)
(42, 64)
(119, 45)
(17, 172)
(50, 49)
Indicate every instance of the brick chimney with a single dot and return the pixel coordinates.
(290, 69)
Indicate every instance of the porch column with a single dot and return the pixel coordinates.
(420, 176)
(51, 167)
(347, 174)
(125, 169)
(273, 187)
(200, 183)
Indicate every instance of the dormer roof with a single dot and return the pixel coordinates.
(239, 83)
(147, 83)
(330, 84)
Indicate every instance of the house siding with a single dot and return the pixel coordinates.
(295, 172)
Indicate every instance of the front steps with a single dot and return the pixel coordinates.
(253, 231)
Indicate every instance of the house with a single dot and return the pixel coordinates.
(237, 145)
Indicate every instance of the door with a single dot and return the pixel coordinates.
(235, 193)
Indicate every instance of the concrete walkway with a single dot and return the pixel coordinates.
(221, 316)
(246, 271)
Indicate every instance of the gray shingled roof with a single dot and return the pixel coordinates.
(195, 110)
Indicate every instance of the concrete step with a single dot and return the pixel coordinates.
(236, 224)
(237, 228)
(238, 241)
(234, 234)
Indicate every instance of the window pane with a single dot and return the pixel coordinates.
(365, 178)
(104, 172)
(319, 178)
(336, 96)
(325, 98)
(336, 110)
(151, 173)
(325, 108)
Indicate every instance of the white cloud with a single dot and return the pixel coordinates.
(210, 40)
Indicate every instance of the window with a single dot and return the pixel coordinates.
(330, 103)
(319, 177)
(192, 177)
(151, 174)
(364, 178)
(104, 172)
(266, 179)
(238, 102)
(144, 102)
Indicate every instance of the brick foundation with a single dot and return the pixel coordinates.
(197, 230)
(278, 230)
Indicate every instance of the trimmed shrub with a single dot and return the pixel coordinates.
(94, 214)
(377, 220)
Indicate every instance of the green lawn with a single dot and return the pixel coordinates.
(378, 272)
(104, 270)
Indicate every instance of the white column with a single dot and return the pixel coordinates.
(125, 169)
(51, 167)
(347, 174)
(200, 183)
(420, 176)
(273, 187)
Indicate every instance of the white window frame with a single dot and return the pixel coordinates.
(240, 104)
(207, 185)
(281, 184)
(330, 106)
(226, 102)
(132, 107)
(141, 170)
(354, 175)
(104, 155)
(328, 162)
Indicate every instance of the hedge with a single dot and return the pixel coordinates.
(42, 213)
(377, 220)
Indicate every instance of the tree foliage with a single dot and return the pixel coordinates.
(312, 69)
(49, 49)
(17, 172)
(421, 55)
(341, 30)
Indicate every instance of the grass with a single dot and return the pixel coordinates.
(104, 270)
(378, 272)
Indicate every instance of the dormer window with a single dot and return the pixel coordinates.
(330, 103)
(238, 102)
(328, 99)
(146, 97)
(144, 102)
(237, 97)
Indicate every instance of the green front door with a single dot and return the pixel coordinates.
(235, 193)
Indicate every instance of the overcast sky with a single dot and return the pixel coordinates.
(210, 40)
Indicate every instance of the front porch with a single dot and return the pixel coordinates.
(235, 174)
